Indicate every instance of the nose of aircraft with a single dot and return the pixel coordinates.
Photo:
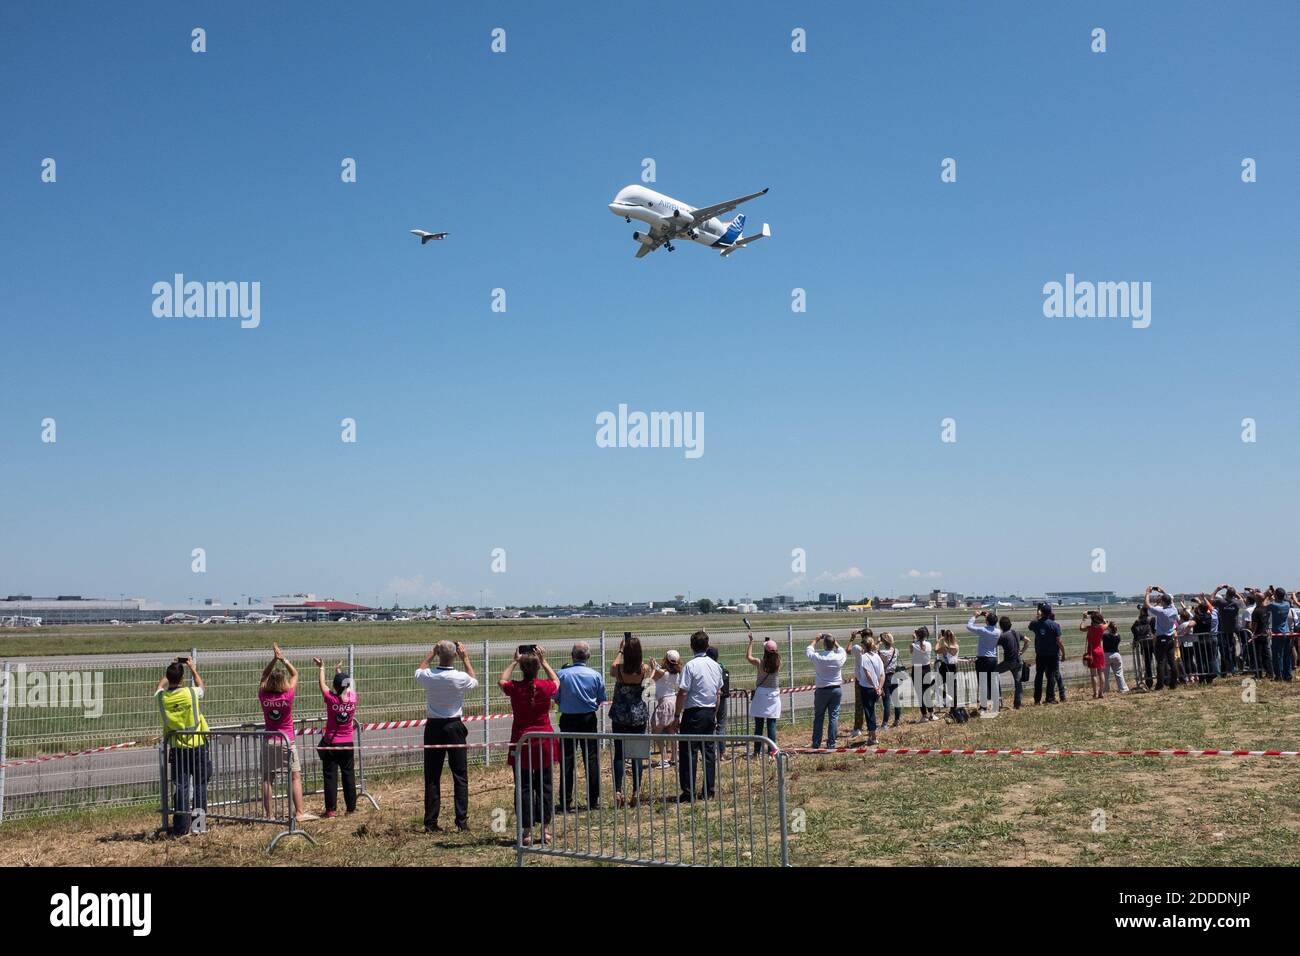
(613, 207)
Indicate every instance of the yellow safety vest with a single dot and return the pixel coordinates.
(180, 712)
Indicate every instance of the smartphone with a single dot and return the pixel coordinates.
(627, 635)
(748, 626)
(527, 648)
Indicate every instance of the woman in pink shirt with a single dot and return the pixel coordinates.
(275, 693)
(336, 750)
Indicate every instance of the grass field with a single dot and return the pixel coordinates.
(157, 638)
(869, 810)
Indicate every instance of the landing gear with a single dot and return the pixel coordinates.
(627, 218)
(668, 246)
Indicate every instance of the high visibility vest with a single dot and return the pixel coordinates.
(180, 712)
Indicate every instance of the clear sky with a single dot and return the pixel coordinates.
(476, 430)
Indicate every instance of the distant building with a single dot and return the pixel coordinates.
(1082, 597)
(828, 598)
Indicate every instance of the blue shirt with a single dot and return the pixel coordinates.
(582, 689)
(1279, 610)
(988, 638)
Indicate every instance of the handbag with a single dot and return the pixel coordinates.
(1024, 673)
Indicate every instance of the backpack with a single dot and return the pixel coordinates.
(726, 688)
(959, 715)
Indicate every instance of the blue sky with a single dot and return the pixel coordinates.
(476, 429)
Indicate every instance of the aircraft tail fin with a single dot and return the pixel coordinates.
(742, 243)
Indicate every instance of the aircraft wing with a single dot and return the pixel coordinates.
(722, 208)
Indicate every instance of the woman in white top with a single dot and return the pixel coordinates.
(949, 652)
(765, 705)
(922, 679)
(889, 657)
(871, 677)
(665, 712)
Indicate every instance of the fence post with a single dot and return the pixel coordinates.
(935, 633)
(487, 724)
(4, 734)
(789, 634)
(603, 671)
(352, 666)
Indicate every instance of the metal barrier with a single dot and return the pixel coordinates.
(307, 731)
(1144, 664)
(955, 685)
(1198, 658)
(240, 776)
(642, 819)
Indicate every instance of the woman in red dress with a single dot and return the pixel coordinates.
(530, 701)
(1094, 656)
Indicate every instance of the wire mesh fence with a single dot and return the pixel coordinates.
(55, 709)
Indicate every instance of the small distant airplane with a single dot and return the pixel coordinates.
(463, 616)
(669, 219)
(426, 236)
(903, 606)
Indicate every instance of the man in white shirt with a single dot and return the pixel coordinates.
(828, 661)
(444, 690)
(698, 694)
(986, 662)
(1164, 617)
(856, 649)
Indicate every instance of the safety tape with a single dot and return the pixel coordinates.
(1026, 752)
(74, 753)
(418, 746)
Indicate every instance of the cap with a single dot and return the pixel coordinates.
(770, 646)
(342, 681)
(673, 656)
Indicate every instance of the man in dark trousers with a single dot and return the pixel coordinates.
(582, 691)
(1048, 652)
(445, 688)
(697, 708)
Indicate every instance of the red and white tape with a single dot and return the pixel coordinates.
(1028, 752)
(493, 746)
(73, 753)
(400, 724)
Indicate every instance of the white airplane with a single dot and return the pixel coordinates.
(426, 236)
(669, 219)
(180, 618)
(903, 606)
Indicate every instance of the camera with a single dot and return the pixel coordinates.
(527, 648)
